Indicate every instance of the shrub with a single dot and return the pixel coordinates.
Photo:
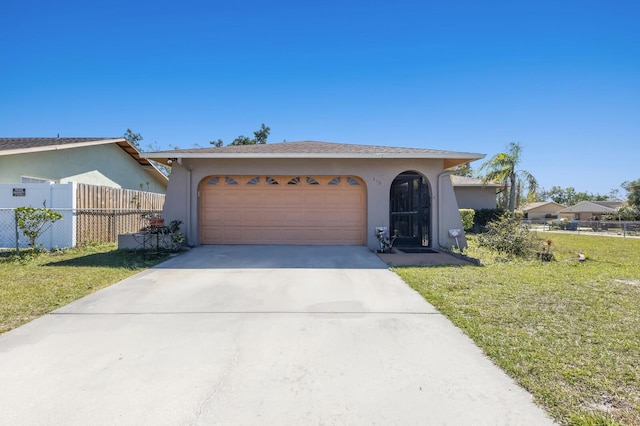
(628, 213)
(467, 218)
(32, 221)
(484, 216)
(509, 236)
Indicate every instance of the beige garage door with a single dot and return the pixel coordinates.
(282, 210)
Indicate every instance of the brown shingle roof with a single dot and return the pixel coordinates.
(10, 144)
(310, 147)
(537, 204)
(314, 149)
(588, 207)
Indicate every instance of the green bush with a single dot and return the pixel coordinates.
(484, 216)
(509, 236)
(32, 221)
(628, 213)
(467, 218)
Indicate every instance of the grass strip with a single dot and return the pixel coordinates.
(33, 284)
(568, 331)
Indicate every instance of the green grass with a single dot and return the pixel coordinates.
(33, 284)
(567, 331)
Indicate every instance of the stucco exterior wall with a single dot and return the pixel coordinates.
(378, 174)
(475, 197)
(541, 211)
(106, 165)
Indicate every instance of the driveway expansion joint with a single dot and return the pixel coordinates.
(242, 312)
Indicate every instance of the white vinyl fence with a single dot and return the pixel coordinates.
(120, 211)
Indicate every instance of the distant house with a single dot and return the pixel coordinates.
(591, 210)
(111, 162)
(473, 193)
(541, 210)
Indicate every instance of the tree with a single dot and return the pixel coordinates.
(628, 213)
(568, 196)
(503, 167)
(260, 136)
(133, 138)
(32, 221)
(462, 170)
(633, 190)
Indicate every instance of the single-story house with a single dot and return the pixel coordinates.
(592, 210)
(313, 193)
(111, 162)
(474, 193)
(541, 210)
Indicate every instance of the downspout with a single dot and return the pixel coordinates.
(189, 202)
(439, 179)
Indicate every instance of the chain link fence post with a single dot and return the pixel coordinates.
(15, 221)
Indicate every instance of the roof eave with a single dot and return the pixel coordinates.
(451, 159)
(60, 147)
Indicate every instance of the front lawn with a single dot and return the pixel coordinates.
(568, 331)
(32, 285)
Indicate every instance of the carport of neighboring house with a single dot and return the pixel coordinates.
(312, 193)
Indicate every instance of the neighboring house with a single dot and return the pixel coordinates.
(474, 193)
(541, 210)
(592, 210)
(313, 193)
(111, 162)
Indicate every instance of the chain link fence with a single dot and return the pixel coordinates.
(77, 227)
(600, 227)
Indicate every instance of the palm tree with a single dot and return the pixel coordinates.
(502, 167)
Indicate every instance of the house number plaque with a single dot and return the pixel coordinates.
(19, 192)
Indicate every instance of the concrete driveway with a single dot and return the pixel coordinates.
(254, 335)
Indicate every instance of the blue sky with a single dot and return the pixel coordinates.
(562, 78)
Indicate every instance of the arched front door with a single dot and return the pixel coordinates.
(409, 206)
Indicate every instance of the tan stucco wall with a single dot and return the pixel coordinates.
(475, 197)
(378, 174)
(541, 211)
(106, 165)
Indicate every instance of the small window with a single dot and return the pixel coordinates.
(271, 181)
(254, 181)
(230, 181)
(213, 181)
(294, 181)
(335, 181)
(352, 181)
(312, 181)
